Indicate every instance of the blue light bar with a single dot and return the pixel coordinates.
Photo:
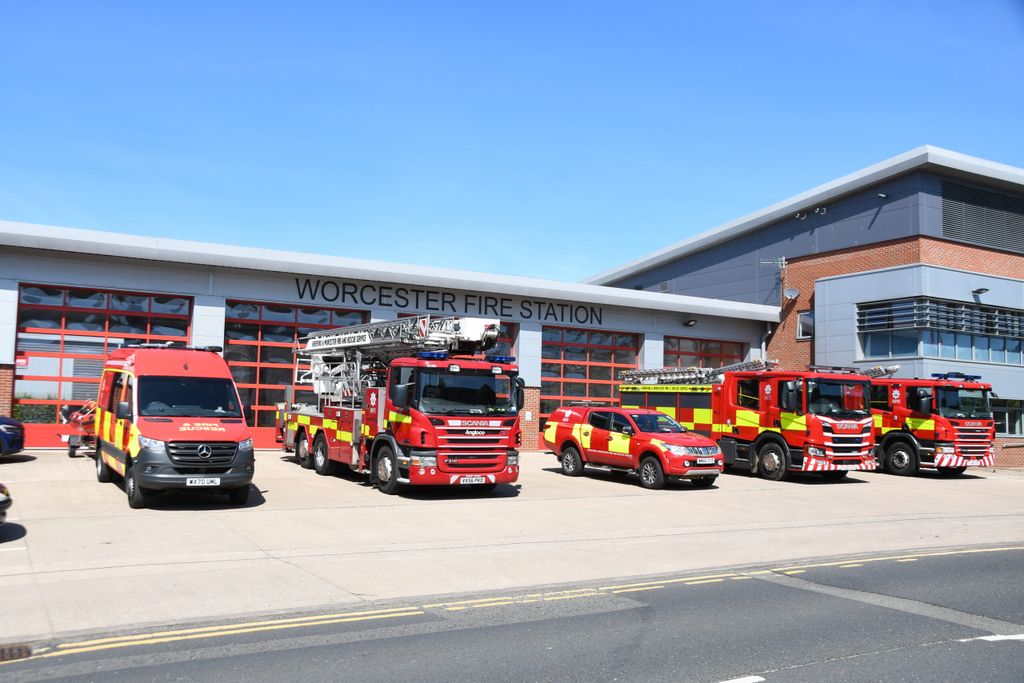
(501, 359)
(432, 355)
(956, 375)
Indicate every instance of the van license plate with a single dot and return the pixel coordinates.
(202, 481)
(705, 461)
(472, 480)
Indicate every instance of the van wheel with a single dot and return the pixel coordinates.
(703, 482)
(302, 451)
(900, 459)
(652, 476)
(771, 462)
(239, 496)
(323, 465)
(103, 473)
(572, 463)
(138, 497)
(385, 468)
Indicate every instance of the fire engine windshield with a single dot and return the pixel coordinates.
(468, 392)
(963, 403)
(187, 397)
(844, 400)
(646, 422)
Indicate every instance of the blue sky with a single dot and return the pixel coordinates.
(537, 138)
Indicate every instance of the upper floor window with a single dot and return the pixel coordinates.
(805, 325)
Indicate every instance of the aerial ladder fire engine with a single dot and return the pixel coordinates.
(407, 401)
(771, 421)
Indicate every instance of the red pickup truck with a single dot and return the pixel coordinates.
(647, 442)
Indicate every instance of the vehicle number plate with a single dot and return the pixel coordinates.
(705, 461)
(846, 468)
(472, 480)
(202, 481)
(971, 463)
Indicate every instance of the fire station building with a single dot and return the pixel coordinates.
(917, 261)
(69, 296)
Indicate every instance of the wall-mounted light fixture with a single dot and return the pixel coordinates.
(800, 215)
(882, 195)
(821, 210)
(691, 322)
(979, 290)
(790, 293)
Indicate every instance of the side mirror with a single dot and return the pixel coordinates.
(926, 404)
(520, 398)
(627, 429)
(124, 411)
(400, 396)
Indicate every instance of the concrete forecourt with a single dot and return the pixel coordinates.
(77, 560)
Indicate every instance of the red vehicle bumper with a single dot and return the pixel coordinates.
(431, 476)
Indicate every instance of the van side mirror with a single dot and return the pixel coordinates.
(400, 396)
(124, 410)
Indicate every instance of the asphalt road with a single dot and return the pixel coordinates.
(921, 616)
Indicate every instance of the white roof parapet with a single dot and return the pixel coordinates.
(80, 241)
(920, 157)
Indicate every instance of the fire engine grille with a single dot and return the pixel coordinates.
(839, 445)
(194, 453)
(972, 441)
(479, 446)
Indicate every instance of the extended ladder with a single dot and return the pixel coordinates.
(873, 371)
(692, 375)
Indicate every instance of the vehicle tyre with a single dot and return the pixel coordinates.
(302, 451)
(703, 482)
(772, 462)
(138, 497)
(652, 476)
(323, 465)
(900, 459)
(385, 469)
(834, 476)
(103, 473)
(239, 496)
(72, 451)
(951, 471)
(572, 462)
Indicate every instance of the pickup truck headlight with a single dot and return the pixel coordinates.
(152, 444)
(677, 450)
(245, 445)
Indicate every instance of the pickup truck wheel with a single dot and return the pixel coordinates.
(103, 473)
(771, 462)
(900, 459)
(652, 476)
(703, 482)
(386, 469)
(572, 463)
(951, 471)
(837, 475)
(323, 465)
(239, 496)
(302, 452)
(138, 497)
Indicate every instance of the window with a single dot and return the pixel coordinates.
(805, 325)
(1009, 417)
(600, 420)
(583, 365)
(686, 352)
(620, 424)
(880, 397)
(65, 333)
(748, 394)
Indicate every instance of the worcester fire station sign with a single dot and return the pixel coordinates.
(377, 295)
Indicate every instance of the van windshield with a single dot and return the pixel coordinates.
(188, 397)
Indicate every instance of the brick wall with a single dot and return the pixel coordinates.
(1010, 457)
(531, 428)
(801, 273)
(6, 389)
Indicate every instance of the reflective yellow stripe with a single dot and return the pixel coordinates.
(878, 420)
(671, 412)
(303, 419)
(793, 421)
(398, 417)
(366, 430)
(916, 423)
(330, 424)
(702, 416)
(550, 429)
(581, 436)
(618, 443)
(133, 442)
(345, 436)
(748, 418)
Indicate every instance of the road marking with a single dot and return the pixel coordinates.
(697, 583)
(796, 571)
(745, 679)
(993, 639)
(7, 550)
(850, 566)
(666, 581)
(742, 578)
(908, 559)
(634, 590)
(940, 553)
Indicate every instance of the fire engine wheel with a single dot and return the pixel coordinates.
(652, 476)
(951, 471)
(572, 463)
(138, 497)
(323, 465)
(386, 469)
(302, 451)
(103, 473)
(703, 482)
(771, 462)
(900, 459)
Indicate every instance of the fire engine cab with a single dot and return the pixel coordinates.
(944, 423)
(408, 401)
(772, 422)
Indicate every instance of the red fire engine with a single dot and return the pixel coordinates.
(772, 422)
(407, 402)
(944, 423)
